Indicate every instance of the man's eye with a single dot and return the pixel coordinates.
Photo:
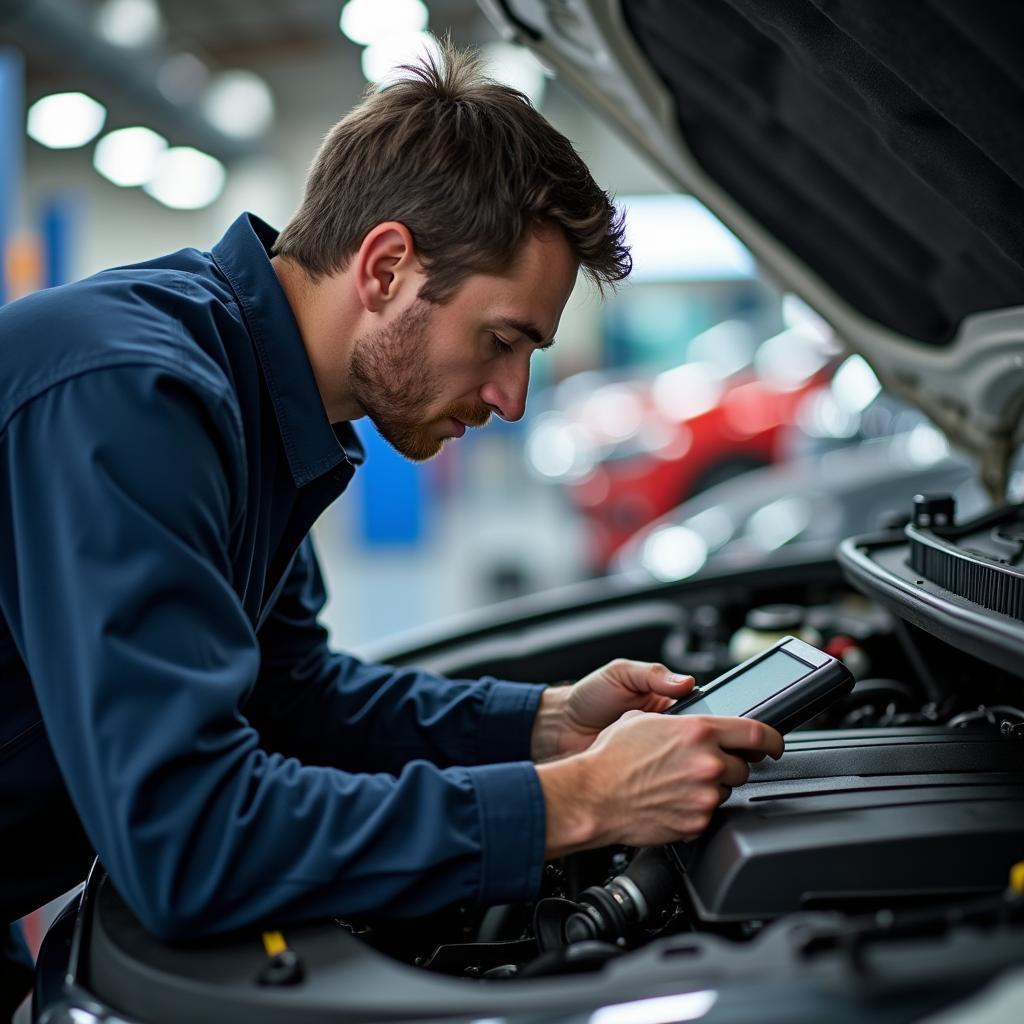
(501, 346)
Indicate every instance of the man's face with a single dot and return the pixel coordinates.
(436, 369)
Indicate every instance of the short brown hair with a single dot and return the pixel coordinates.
(467, 165)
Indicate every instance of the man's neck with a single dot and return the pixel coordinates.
(327, 330)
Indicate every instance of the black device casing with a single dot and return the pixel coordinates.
(796, 703)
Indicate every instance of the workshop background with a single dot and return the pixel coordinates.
(129, 128)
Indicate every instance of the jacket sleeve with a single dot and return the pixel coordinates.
(117, 497)
(330, 708)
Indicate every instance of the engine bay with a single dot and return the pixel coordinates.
(880, 860)
(904, 798)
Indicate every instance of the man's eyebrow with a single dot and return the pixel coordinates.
(528, 329)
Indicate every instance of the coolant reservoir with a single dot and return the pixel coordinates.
(768, 624)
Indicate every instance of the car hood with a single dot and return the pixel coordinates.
(870, 155)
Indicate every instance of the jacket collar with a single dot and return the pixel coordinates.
(312, 444)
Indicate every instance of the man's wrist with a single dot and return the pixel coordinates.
(571, 820)
(548, 724)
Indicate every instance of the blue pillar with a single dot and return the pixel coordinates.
(12, 146)
(391, 495)
(56, 229)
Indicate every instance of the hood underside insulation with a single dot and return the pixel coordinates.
(882, 143)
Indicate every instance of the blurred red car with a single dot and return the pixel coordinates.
(628, 451)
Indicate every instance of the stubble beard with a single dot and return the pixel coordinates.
(393, 382)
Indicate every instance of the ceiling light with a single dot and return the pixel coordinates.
(239, 103)
(383, 60)
(65, 120)
(186, 179)
(128, 156)
(130, 23)
(515, 66)
(369, 21)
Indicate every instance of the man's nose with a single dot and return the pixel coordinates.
(505, 394)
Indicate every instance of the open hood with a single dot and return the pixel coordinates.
(871, 156)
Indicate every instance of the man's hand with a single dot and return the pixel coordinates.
(570, 718)
(650, 779)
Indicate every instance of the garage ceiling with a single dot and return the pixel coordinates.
(63, 52)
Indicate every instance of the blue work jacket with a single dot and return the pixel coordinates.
(168, 698)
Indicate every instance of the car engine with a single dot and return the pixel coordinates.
(900, 807)
(878, 867)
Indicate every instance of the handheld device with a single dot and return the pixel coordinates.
(783, 687)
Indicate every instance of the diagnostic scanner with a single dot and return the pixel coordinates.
(783, 687)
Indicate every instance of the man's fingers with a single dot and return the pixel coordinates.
(654, 677)
(736, 772)
(741, 735)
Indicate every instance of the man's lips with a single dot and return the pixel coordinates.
(471, 419)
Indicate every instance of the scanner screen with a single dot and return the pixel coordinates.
(750, 688)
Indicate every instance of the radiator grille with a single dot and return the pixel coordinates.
(998, 588)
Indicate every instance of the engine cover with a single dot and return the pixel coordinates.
(854, 819)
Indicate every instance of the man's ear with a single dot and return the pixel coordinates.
(386, 265)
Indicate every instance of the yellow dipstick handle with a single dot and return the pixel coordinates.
(273, 942)
(1017, 878)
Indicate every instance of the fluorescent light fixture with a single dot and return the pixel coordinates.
(186, 179)
(128, 156)
(369, 21)
(515, 66)
(65, 120)
(676, 238)
(239, 103)
(381, 61)
(129, 23)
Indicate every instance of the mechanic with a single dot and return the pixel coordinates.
(170, 431)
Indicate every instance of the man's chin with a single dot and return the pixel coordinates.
(418, 446)
(422, 453)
